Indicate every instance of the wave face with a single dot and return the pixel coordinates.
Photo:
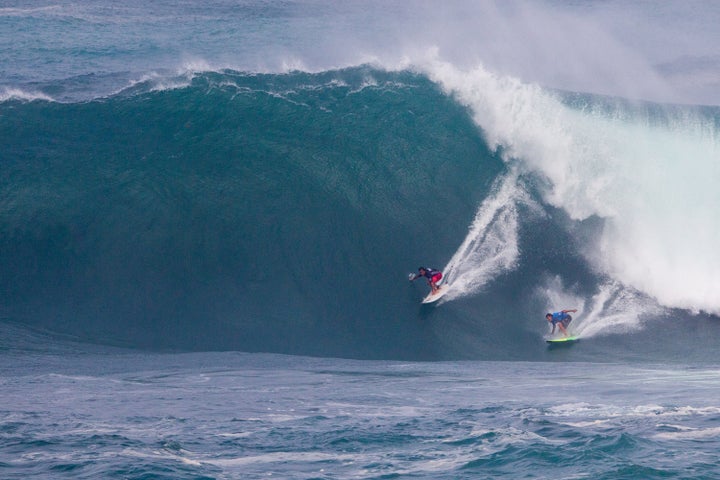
(252, 212)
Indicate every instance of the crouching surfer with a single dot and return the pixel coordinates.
(561, 319)
(432, 275)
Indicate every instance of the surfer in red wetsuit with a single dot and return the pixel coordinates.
(432, 275)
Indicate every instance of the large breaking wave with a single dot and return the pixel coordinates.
(646, 171)
(282, 212)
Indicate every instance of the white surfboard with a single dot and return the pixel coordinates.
(442, 290)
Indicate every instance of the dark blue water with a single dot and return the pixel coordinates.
(208, 215)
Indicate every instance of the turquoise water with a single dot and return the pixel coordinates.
(208, 214)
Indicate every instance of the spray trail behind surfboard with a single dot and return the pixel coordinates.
(491, 245)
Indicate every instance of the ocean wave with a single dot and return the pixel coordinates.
(185, 197)
(8, 94)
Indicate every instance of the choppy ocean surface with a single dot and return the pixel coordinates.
(209, 210)
(81, 412)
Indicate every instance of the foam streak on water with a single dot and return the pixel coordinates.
(491, 245)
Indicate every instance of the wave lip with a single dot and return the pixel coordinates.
(11, 93)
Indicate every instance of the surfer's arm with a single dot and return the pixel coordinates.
(569, 311)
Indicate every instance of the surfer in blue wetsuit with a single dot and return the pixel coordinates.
(432, 275)
(561, 319)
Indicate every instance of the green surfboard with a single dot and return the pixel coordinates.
(569, 339)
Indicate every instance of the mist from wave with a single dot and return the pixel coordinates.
(598, 47)
(646, 170)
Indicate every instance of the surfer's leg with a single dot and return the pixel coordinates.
(562, 328)
(433, 282)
